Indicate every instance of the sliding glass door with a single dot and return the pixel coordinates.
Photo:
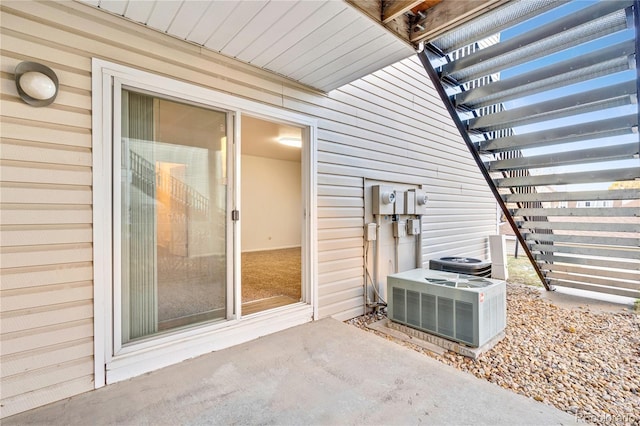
(188, 181)
(170, 216)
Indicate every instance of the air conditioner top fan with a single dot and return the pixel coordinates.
(461, 281)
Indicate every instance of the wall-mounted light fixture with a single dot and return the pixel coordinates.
(37, 84)
(294, 142)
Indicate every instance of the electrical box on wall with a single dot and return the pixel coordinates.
(399, 229)
(399, 206)
(370, 232)
(383, 199)
(421, 201)
(410, 202)
(392, 230)
(414, 226)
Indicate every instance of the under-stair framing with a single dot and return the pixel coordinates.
(545, 94)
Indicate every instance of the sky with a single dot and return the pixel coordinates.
(618, 77)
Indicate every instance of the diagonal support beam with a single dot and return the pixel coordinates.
(433, 75)
(450, 13)
(392, 9)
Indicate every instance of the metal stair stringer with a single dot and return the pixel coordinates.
(545, 96)
(480, 163)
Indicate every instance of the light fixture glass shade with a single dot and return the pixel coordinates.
(294, 142)
(37, 84)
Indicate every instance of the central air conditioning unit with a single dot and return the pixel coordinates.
(464, 308)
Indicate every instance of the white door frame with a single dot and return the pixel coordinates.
(176, 346)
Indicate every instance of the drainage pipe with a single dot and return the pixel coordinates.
(397, 255)
(366, 274)
(419, 245)
(376, 261)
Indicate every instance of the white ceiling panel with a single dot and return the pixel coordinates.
(114, 6)
(211, 20)
(139, 11)
(319, 43)
(187, 18)
(163, 13)
(268, 17)
(299, 13)
(234, 24)
(356, 46)
(298, 33)
(361, 69)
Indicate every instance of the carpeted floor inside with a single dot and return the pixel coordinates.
(193, 290)
(271, 278)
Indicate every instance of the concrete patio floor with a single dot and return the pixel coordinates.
(322, 373)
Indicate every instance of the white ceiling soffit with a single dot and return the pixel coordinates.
(323, 44)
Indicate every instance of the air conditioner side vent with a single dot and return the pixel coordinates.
(429, 312)
(464, 321)
(398, 306)
(445, 316)
(464, 308)
(413, 308)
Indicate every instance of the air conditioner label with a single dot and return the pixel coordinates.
(481, 297)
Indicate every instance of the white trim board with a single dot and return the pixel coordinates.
(271, 249)
(235, 333)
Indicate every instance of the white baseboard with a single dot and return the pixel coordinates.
(271, 248)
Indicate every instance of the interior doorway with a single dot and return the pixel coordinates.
(272, 214)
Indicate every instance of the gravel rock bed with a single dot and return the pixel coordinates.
(582, 362)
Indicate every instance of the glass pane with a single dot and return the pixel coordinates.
(173, 245)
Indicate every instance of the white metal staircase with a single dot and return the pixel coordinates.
(545, 94)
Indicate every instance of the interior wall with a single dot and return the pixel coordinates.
(271, 213)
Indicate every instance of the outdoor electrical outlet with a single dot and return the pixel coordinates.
(370, 232)
(413, 226)
(400, 229)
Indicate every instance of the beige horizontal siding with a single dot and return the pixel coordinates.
(41, 337)
(20, 150)
(337, 297)
(46, 222)
(46, 357)
(46, 395)
(340, 264)
(54, 254)
(24, 319)
(340, 222)
(25, 130)
(328, 234)
(34, 297)
(57, 273)
(327, 256)
(336, 244)
(32, 172)
(387, 126)
(26, 235)
(40, 214)
(21, 193)
(28, 382)
(402, 133)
